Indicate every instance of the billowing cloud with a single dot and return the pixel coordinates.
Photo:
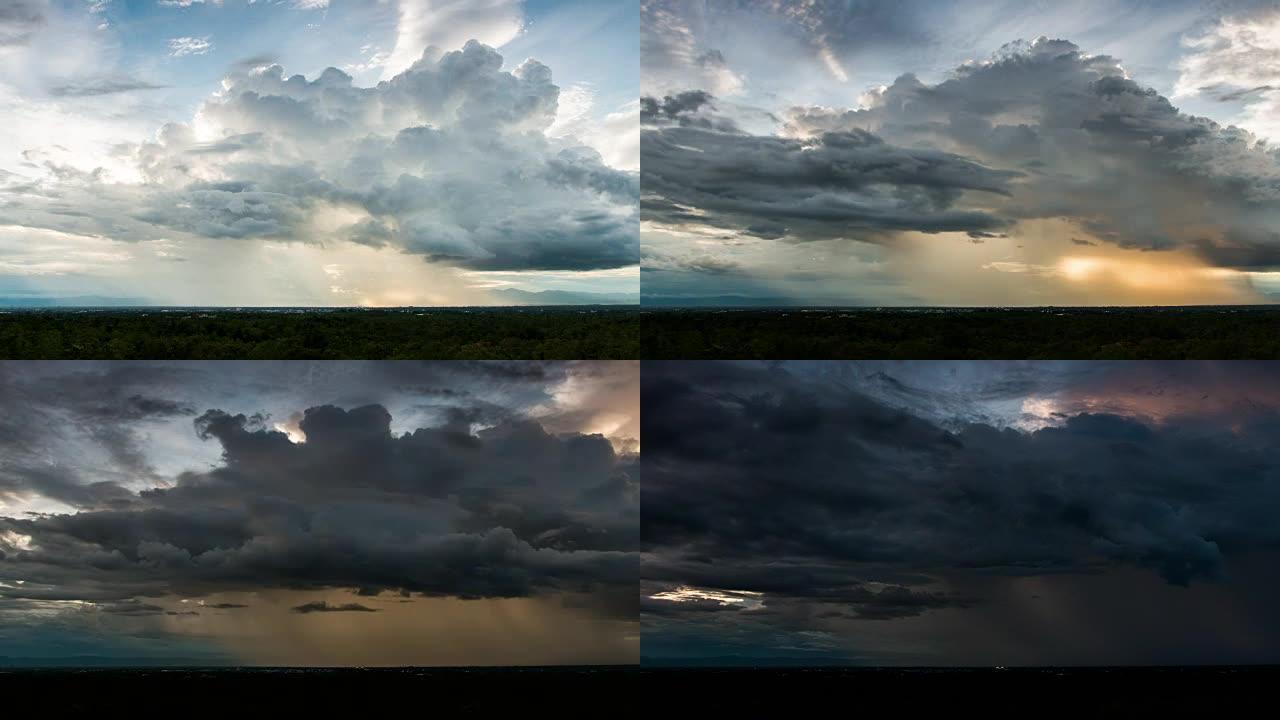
(1098, 148)
(501, 481)
(401, 166)
(422, 171)
(1043, 129)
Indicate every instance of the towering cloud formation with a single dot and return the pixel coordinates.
(448, 160)
(1042, 130)
(1098, 148)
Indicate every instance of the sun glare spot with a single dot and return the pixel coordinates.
(745, 599)
(1039, 413)
(1079, 268)
(292, 431)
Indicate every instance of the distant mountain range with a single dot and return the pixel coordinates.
(741, 661)
(721, 301)
(98, 661)
(565, 297)
(508, 295)
(39, 301)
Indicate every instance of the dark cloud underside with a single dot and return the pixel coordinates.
(814, 497)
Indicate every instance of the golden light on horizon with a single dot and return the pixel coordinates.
(1055, 262)
(265, 629)
(1160, 274)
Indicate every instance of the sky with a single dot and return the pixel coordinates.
(960, 513)
(960, 152)
(318, 152)
(319, 514)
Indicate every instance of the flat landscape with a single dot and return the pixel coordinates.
(507, 333)
(1113, 333)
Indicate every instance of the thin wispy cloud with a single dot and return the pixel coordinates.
(181, 46)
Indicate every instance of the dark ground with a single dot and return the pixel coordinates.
(607, 692)
(1209, 333)
(517, 333)
(981, 693)
(627, 692)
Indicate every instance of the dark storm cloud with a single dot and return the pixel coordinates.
(777, 481)
(59, 484)
(324, 607)
(685, 109)
(131, 607)
(506, 513)
(831, 185)
(481, 501)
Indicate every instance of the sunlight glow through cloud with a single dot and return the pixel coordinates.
(745, 599)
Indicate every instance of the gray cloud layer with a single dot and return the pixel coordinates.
(828, 186)
(19, 19)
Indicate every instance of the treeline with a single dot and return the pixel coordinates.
(1040, 333)
(465, 334)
